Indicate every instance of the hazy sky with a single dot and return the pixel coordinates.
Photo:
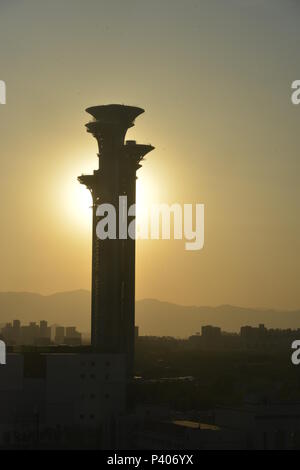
(214, 77)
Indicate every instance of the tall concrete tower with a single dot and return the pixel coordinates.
(113, 260)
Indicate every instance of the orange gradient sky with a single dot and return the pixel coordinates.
(214, 79)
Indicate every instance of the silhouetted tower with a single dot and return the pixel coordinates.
(113, 260)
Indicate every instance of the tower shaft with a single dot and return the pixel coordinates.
(113, 260)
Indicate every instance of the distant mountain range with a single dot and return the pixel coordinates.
(163, 318)
(64, 308)
(152, 316)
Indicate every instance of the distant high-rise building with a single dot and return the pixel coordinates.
(44, 338)
(59, 335)
(73, 337)
(211, 332)
(16, 331)
(16, 324)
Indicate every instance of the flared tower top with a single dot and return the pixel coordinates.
(115, 114)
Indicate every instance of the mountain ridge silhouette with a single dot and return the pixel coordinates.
(153, 316)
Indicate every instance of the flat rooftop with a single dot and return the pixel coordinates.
(196, 425)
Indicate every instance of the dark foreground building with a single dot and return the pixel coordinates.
(113, 260)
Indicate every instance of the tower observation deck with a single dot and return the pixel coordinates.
(113, 260)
